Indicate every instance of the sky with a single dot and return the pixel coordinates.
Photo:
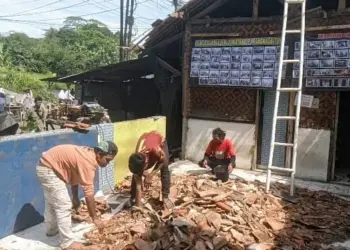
(33, 17)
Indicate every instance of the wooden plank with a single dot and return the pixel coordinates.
(341, 4)
(255, 9)
(185, 86)
(257, 128)
(308, 14)
(331, 173)
(168, 67)
(235, 20)
(215, 35)
(164, 42)
(209, 9)
(290, 130)
(320, 28)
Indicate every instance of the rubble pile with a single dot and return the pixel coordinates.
(211, 215)
(87, 113)
(82, 214)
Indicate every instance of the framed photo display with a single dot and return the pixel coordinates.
(251, 63)
(326, 61)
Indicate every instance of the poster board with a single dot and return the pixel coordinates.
(246, 62)
(306, 101)
(326, 62)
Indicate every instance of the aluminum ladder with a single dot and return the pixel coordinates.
(297, 90)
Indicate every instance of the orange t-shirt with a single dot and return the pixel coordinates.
(75, 165)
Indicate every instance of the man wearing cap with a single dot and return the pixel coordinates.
(73, 165)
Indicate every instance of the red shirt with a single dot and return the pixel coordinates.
(151, 145)
(220, 150)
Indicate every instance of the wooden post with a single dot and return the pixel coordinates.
(255, 9)
(290, 130)
(210, 8)
(185, 87)
(341, 4)
(257, 129)
(331, 173)
(121, 35)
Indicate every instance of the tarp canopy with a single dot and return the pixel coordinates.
(115, 72)
(123, 71)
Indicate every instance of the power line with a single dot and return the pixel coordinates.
(161, 5)
(25, 2)
(48, 11)
(89, 14)
(40, 7)
(52, 24)
(98, 5)
(157, 7)
(44, 22)
(138, 3)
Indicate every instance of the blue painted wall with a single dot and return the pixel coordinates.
(21, 197)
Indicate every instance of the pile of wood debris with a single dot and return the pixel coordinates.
(82, 214)
(210, 215)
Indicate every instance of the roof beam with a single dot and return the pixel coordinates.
(165, 42)
(235, 20)
(209, 9)
(341, 4)
(168, 67)
(320, 28)
(255, 9)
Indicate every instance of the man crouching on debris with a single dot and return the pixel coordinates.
(73, 165)
(154, 153)
(220, 151)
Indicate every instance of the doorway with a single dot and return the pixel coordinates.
(268, 102)
(342, 160)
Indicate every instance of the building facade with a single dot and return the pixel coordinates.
(229, 78)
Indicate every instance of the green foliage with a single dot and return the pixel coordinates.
(17, 81)
(78, 46)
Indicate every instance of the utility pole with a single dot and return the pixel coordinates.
(121, 35)
(130, 21)
(126, 24)
(176, 4)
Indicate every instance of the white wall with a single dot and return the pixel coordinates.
(313, 154)
(200, 133)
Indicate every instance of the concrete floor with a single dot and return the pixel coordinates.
(34, 238)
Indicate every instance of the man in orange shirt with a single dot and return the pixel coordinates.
(151, 152)
(73, 165)
(220, 151)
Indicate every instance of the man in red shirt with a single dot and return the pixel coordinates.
(220, 151)
(151, 155)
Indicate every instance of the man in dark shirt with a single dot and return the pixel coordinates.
(151, 152)
(38, 114)
(220, 151)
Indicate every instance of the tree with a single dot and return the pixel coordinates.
(80, 45)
